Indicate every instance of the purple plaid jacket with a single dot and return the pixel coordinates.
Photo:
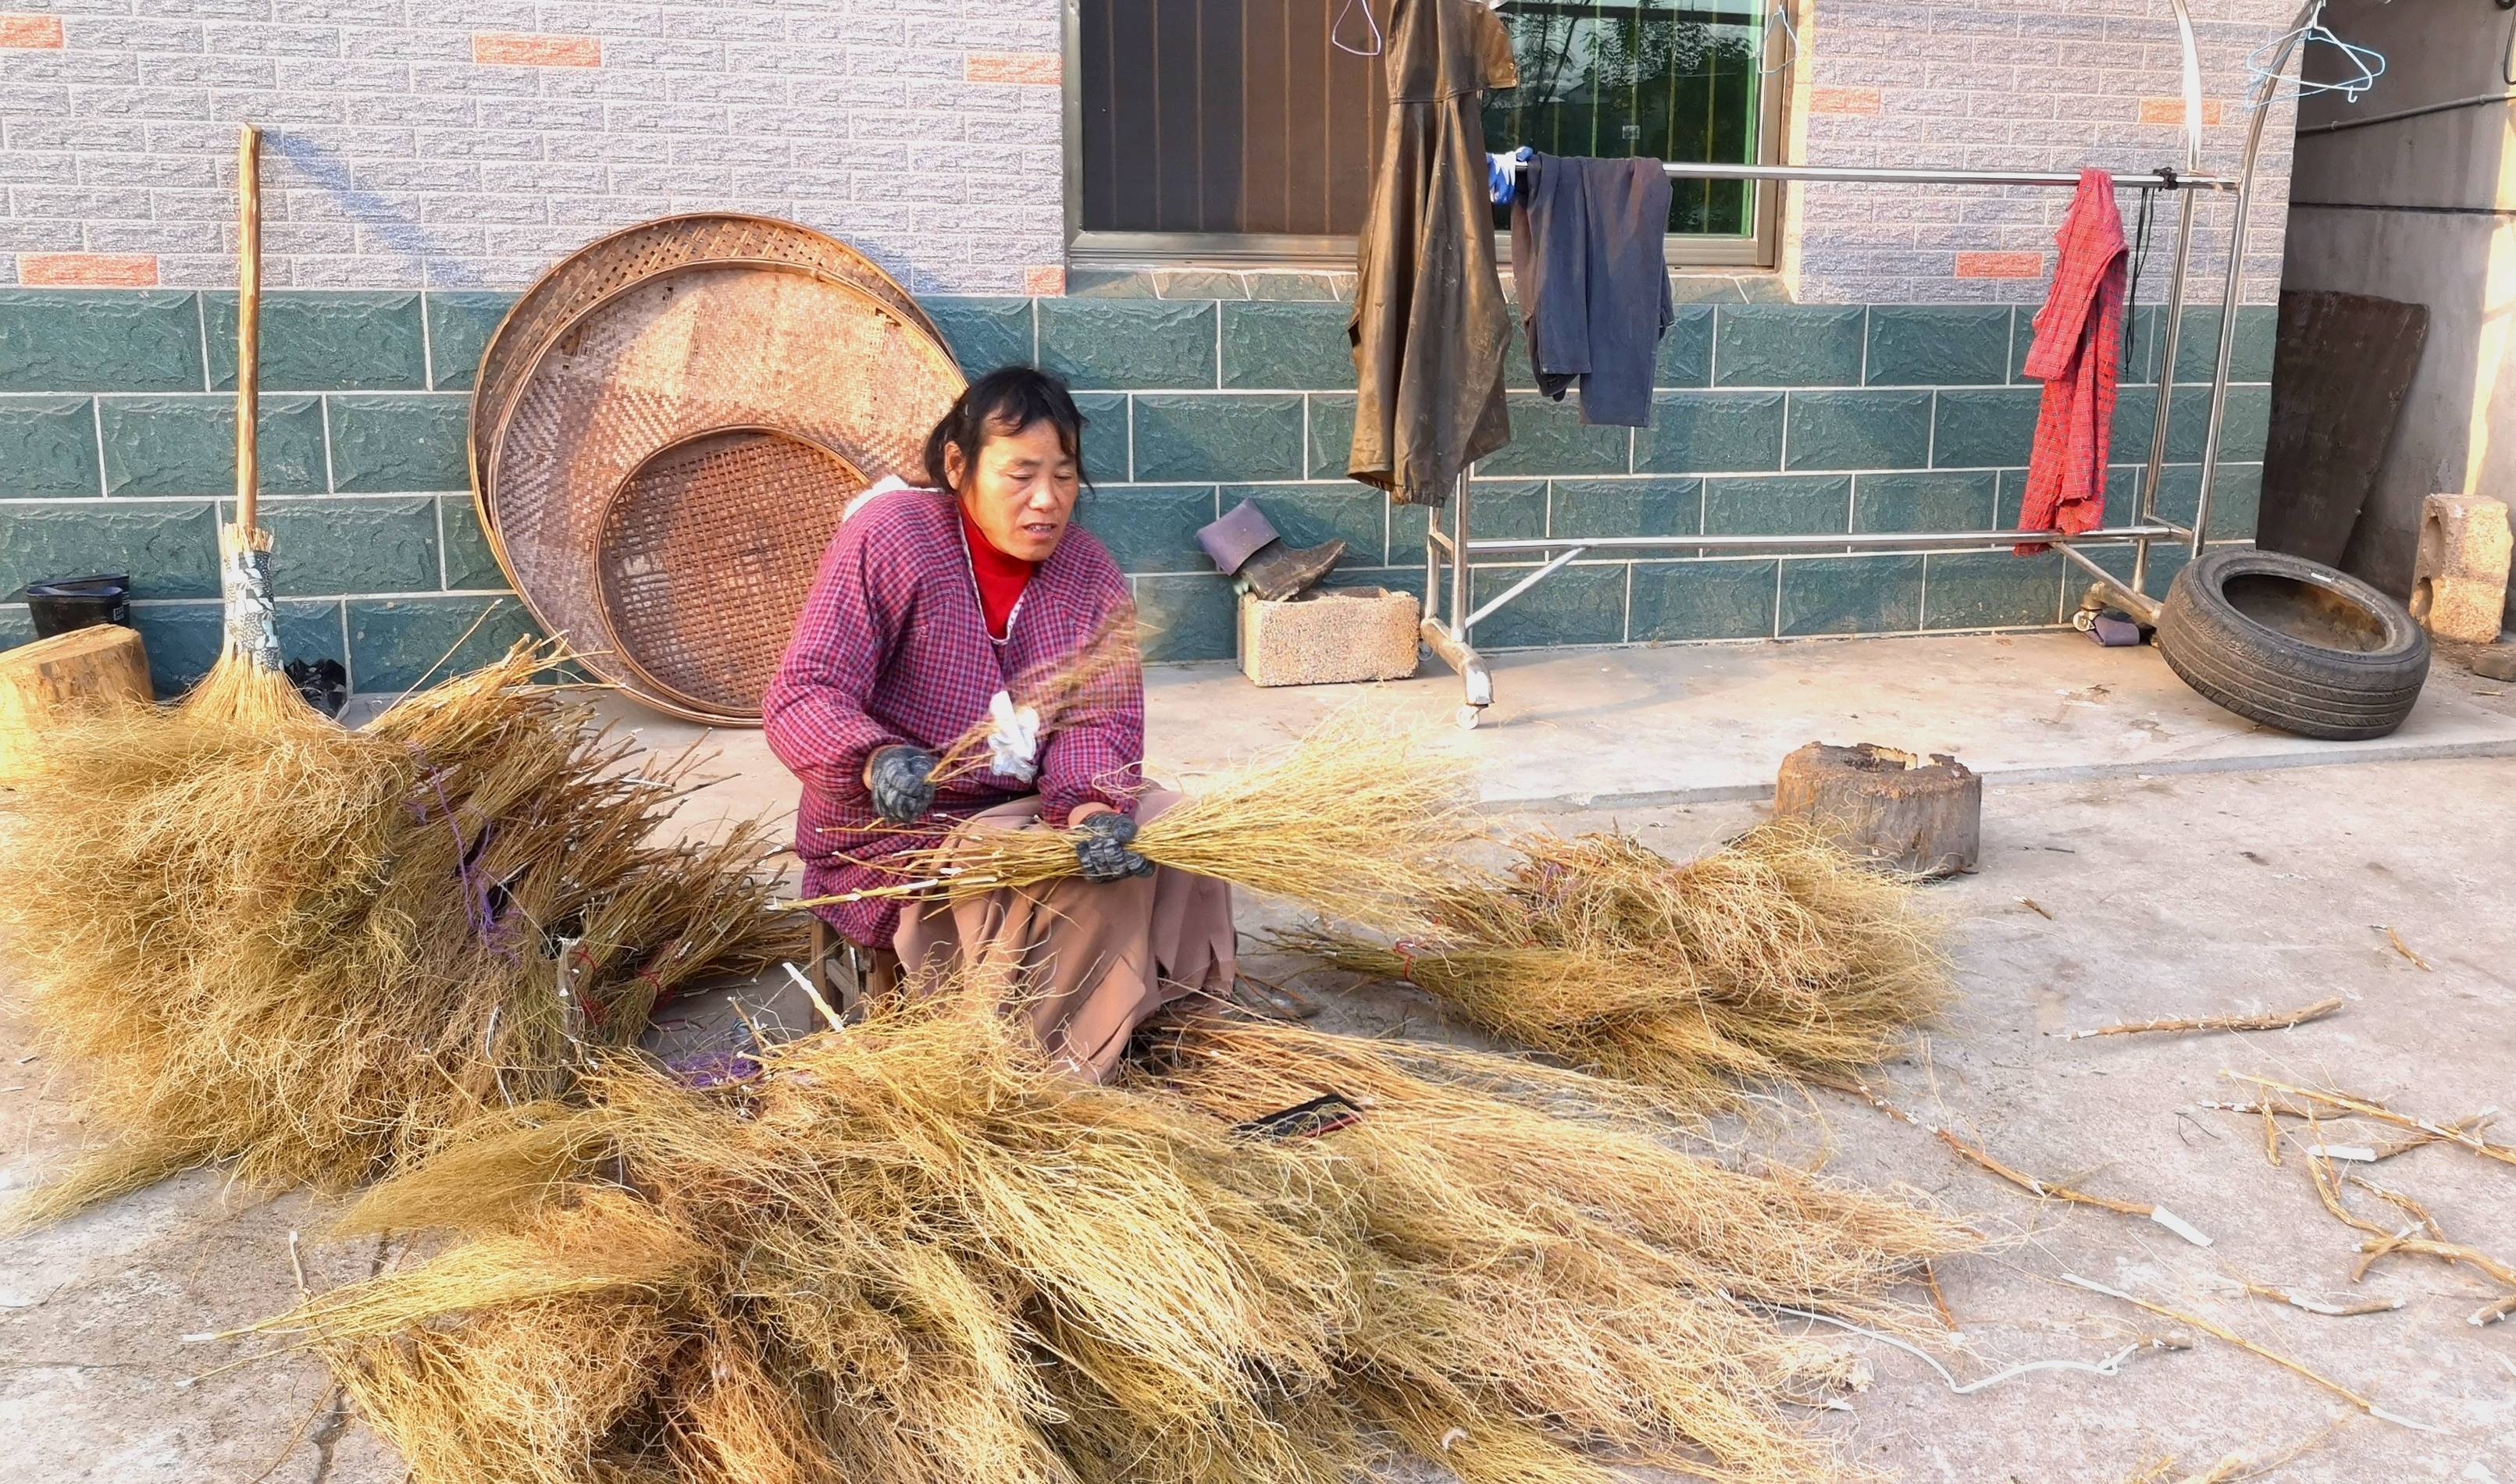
(892, 649)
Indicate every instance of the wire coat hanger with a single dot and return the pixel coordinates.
(1782, 12)
(1367, 19)
(2366, 65)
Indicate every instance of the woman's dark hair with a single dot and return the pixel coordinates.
(1011, 398)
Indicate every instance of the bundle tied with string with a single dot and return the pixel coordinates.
(1356, 819)
(308, 952)
(1777, 956)
(1043, 698)
(913, 1253)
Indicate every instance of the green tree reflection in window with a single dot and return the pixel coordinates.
(1673, 82)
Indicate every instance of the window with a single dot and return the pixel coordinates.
(1236, 130)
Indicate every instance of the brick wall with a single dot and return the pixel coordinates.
(115, 442)
(465, 144)
(2017, 84)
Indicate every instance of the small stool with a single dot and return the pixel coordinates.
(846, 974)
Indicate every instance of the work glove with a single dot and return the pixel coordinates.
(1102, 849)
(897, 778)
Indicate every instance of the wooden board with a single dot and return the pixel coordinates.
(83, 670)
(2343, 365)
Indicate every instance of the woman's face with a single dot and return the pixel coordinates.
(1022, 493)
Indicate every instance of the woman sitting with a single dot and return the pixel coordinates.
(928, 604)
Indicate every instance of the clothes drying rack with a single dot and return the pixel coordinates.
(1448, 553)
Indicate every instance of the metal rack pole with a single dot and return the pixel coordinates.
(2262, 111)
(2163, 405)
(1452, 640)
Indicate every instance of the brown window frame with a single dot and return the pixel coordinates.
(1259, 250)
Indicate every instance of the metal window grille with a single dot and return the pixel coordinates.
(1237, 129)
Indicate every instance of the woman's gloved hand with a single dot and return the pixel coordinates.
(1102, 849)
(897, 777)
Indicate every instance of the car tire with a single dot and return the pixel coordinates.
(2293, 643)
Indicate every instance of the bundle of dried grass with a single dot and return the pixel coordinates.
(1552, 1280)
(910, 1252)
(310, 951)
(1356, 819)
(1054, 692)
(1776, 955)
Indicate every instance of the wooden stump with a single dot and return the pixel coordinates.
(1889, 806)
(51, 679)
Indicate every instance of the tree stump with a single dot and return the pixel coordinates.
(51, 679)
(1885, 805)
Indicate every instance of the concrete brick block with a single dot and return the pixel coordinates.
(1334, 636)
(2459, 571)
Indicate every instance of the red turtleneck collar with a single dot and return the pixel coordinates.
(1001, 578)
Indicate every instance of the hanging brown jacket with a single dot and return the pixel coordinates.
(1430, 326)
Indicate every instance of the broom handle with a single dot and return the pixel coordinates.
(248, 323)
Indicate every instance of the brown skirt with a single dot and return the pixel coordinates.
(1089, 960)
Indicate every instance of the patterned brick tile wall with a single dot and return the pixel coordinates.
(2028, 84)
(116, 441)
(465, 144)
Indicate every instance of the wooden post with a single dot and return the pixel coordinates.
(82, 671)
(1890, 806)
(248, 471)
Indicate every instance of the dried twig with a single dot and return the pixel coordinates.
(2039, 908)
(2049, 1189)
(2404, 949)
(2381, 1243)
(2248, 1463)
(2273, 1020)
(2318, 1306)
(2295, 1367)
(2402, 1203)
(1940, 1300)
(2367, 1154)
(2457, 1133)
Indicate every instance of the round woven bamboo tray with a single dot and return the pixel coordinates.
(606, 265)
(788, 353)
(746, 508)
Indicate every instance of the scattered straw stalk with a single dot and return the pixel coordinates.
(311, 951)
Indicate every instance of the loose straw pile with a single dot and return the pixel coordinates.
(1777, 956)
(310, 951)
(909, 1253)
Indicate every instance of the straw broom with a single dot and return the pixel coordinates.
(309, 961)
(1354, 819)
(1777, 956)
(911, 1252)
(247, 685)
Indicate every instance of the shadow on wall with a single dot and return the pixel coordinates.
(2403, 196)
(424, 260)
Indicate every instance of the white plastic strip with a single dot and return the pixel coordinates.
(2178, 1225)
(2105, 1366)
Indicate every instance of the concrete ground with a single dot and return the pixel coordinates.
(2205, 870)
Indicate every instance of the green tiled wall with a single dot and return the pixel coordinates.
(117, 453)
(116, 445)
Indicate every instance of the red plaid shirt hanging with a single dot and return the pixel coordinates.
(892, 647)
(2078, 355)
